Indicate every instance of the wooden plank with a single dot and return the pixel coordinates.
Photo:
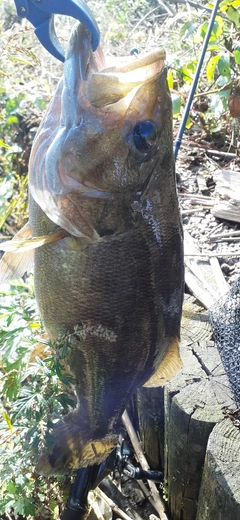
(219, 496)
(203, 276)
(227, 184)
(228, 210)
(228, 187)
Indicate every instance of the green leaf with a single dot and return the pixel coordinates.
(217, 29)
(170, 79)
(55, 510)
(236, 54)
(210, 68)
(186, 30)
(213, 47)
(176, 104)
(234, 16)
(3, 145)
(188, 71)
(6, 418)
(188, 123)
(29, 507)
(11, 488)
(12, 119)
(39, 103)
(224, 65)
(202, 30)
(217, 105)
(65, 401)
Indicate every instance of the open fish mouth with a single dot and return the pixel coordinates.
(112, 84)
(109, 85)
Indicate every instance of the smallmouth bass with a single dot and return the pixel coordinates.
(102, 170)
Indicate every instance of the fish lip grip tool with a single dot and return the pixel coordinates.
(41, 15)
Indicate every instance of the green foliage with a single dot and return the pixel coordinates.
(221, 69)
(22, 99)
(35, 393)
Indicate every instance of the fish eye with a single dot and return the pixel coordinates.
(144, 135)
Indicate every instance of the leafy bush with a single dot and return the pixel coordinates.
(220, 74)
(33, 386)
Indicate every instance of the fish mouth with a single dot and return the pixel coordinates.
(110, 85)
(115, 83)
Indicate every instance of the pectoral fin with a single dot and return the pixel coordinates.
(22, 243)
(169, 367)
(14, 265)
(18, 257)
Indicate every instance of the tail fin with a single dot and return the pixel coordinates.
(71, 452)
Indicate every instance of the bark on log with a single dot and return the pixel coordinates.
(151, 424)
(219, 496)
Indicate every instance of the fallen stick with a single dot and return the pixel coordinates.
(156, 500)
(193, 196)
(146, 492)
(193, 4)
(219, 254)
(226, 239)
(186, 212)
(167, 7)
(142, 20)
(222, 284)
(187, 144)
(224, 234)
(216, 229)
(198, 199)
(94, 505)
(114, 506)
(202, 278)
(222, 154)
(110, 489)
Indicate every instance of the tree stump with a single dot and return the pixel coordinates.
(194, 403)
(192, 415)
(219, 497)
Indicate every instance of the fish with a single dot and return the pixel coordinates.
(106, 234)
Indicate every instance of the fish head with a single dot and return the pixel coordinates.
(102, 136)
